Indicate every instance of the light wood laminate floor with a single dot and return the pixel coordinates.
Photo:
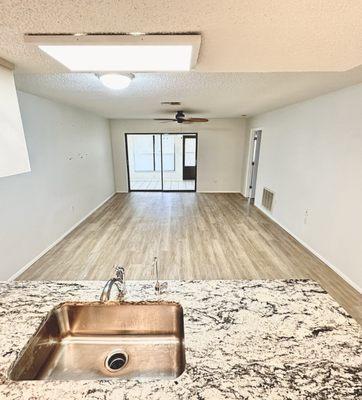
(194, 235)
(167, 185)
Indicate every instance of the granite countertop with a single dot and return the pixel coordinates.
(260, 339)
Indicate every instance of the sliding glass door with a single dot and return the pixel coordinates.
(144, 162)
(161, 162)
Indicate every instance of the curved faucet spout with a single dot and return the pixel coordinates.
(159, 287)
(120, 283)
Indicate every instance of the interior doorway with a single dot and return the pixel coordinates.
(161, 162)
(254, 162)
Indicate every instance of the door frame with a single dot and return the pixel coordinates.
(183, 153)
(249, 171)
(158, 133)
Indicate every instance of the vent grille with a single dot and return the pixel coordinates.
(267, 200)
(171, 103)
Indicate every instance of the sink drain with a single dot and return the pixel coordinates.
(116, 360)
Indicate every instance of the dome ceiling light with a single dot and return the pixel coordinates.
(116, 81)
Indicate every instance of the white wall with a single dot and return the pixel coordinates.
(13, 152)
(71, 174)
(221, 148)
(311, 156)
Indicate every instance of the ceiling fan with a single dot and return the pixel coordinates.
(180, 119)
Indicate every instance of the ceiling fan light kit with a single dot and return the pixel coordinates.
(181, 119)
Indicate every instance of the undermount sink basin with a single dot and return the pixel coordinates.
(105, 340)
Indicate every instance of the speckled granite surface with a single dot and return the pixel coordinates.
(268, 340)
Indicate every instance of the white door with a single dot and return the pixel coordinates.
(254, 162)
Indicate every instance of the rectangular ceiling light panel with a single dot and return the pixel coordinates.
(121, 52)
(122, 58)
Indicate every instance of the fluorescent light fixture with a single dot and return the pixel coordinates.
(122, 58)
(116, 81)
(121, 52)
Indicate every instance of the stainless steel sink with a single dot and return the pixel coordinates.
(104, 341)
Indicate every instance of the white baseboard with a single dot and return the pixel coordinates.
(329, 264)
(218, 191)
(201, 191)
(27, 265)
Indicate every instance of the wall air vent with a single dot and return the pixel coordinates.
(267, 200)
(171, 103)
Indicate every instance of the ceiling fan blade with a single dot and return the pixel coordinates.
(191, 120)
(164, 119)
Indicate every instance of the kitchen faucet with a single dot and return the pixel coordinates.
(120, 283)
(159, 287)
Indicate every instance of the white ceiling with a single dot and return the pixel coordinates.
(212, 95)
(237, 35)
(253, 52)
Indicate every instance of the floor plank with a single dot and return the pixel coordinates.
(195, 236)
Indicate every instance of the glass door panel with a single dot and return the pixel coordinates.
(144, 162)
(173, 163)
(170, 162)
(189, 161)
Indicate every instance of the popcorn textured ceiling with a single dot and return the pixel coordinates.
(211, 95)
(256, 55)
(237, 35)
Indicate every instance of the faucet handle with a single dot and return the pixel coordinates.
(160, 288)
(120, 272)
